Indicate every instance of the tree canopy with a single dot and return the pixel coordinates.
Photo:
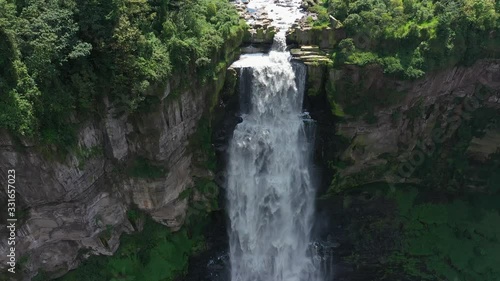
(411, 37)
(59, 57)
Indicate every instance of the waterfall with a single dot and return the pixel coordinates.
(270, 193)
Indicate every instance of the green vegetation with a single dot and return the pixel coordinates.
(155, 254)
(144, 168)
(58, 58)
(352, 98)
(456, 239)
(418, 233)
(84, 154)
(201, 144)
(322, 14)
(412, 37)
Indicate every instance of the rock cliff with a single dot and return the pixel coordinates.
(381, 140)
(78, 205)
(380, 122)
(390, 126)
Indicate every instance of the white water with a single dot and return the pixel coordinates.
(282, 12)
(270, 194)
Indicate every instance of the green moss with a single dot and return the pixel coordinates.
(331, 94)
(349, 98)
(201, 143)
(370, 118)
(436, 235)
(448, 241)
(449, 166)
(84, 154)
(209, 189)
(41, 276)
(367, 176)
(174, 96)
(144, 168)
(133, 215)
(337, 110)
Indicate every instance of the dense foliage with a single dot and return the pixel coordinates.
(455, 239)
(411, 37)
(417, 233)
(58, 58)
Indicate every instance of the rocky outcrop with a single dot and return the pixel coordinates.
(324, 37)
(75, 206)
(481, 148)
(260, 33)
(305, 32)
(311, 55)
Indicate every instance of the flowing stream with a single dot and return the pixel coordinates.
(270, 193)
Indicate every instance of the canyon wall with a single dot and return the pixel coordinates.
(78, 204)
(397, 156)
(383, 121)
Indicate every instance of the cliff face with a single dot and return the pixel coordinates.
(78, 205)
(377, 128)
(392, 126)
(397, 155)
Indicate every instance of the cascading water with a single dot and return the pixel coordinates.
(270, 194)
